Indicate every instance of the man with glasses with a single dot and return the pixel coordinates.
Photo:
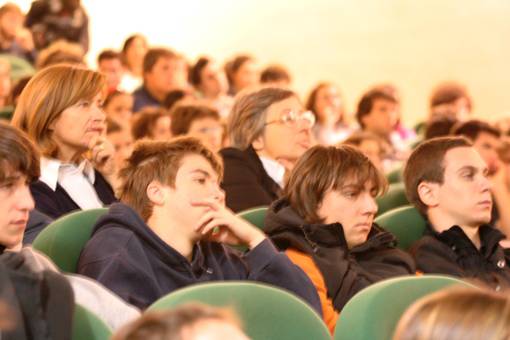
(268, 131)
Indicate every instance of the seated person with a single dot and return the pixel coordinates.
(198, 121)
(450, 99)
(60, 109)
(118, 107)
(447, 181)
(370, 145)
(152, 123)
(121, 139)
(109, 63)
(191, 321)
(275, 76)
(439, 127)
(325, 223)
(268, 131)
(457, 314)
(19, 166)
(169, 230)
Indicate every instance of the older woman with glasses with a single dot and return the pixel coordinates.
(268, 131)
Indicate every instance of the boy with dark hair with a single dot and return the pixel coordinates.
(447, 181)
(109, 63)
(169, 230)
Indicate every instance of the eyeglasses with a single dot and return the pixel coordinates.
(291, 118)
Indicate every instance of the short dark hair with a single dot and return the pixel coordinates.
(274, 73)
(366, 102)
(154, 54)
(195, 74)
(439, 127)
(426, 164)
(18, 154)
(145, 120)
(448, 92)
(472, 128)
(108, 54)
(184, 115)
(173, 97)
(234, 65)
(322, 168)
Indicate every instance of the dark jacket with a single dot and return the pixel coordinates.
(57, 203)
(345, 271)
(126, 256)
(142, 98)
(40, 304)
(452, 252)
(246, 183)
(37, 221)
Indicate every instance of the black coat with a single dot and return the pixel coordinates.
(451, 252)
(57, 203)
(245, 181)
(126, 256)
(345, 271)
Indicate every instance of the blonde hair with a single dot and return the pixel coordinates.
(457, 314)
(47, 95)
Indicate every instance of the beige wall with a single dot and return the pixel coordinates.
(356, 43)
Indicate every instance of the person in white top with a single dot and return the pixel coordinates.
(61, 110)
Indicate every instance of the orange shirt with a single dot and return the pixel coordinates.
(305, 262)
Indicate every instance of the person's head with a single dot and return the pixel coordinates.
(370, 145)
(118, 106)
(5, 80)
(275, 76)
(164, 71)
(457, 314)
(11, 20)
(18, 87)
(60, 109)
(242, 72)
(122, 141)
(272, 121)
(109, 62)
(450, 99)
(60, 51)
(446, 179)
(326, 103)
(162, 180)
(133, 52)
(199, 121)
(439, 127)
(485, 138)
(152, 123)
(190, 321)
(208, 78)
(377, 112)
(336, 185)
(177, 96)
(19, 165)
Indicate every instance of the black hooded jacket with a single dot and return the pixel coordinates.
(345, 271)
(452, 252)
(126, 256)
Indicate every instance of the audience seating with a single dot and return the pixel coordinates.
(255, 216)
(395, 176)
(406, 223)
(374, 312)
(265, 311)
(395, 197)
(65, 237)
(87, 326)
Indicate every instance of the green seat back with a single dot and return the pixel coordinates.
(64, 238)
(395, 197)
(374, 312)
(394, 176)
(20, 68)
(267, 313)
(255, 216)
(87, 326)
(6, 112)
(406, 223)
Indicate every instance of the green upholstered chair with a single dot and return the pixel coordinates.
(87, 326)
(255, 216)
(394, 176)
(406, 223)
(20, 68)
(374, 312)
(64, 238)
(395, 197)
(266, 312)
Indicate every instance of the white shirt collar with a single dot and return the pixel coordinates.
(274, 169)
(53, 169)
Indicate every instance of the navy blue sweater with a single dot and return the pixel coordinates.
(126, 256)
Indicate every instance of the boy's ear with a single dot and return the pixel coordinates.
(155, 193)
(429, 193)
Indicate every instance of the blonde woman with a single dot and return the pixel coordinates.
(457, 314)
(60, 109)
